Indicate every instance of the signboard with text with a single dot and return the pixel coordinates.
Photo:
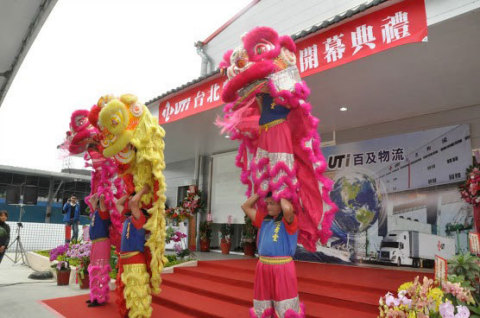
(401, 23)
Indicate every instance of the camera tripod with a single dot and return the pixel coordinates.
(20, 253)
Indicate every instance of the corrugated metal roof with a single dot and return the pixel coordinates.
(44, 173)
(315, 28)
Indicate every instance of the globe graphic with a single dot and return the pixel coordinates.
(359, 204)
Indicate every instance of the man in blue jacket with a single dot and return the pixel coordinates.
(72, 216)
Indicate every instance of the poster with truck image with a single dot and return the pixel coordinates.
(399, 183)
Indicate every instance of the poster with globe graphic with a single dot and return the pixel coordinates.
(402, 182)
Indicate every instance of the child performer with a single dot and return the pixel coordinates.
(134, 289)
(275, 288)
(99, 267)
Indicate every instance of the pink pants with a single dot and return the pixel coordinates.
(99, 270)
(275, 289)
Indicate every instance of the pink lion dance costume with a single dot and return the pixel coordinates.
(279, 153)
(106, 225)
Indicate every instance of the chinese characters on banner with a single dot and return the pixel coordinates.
(441, 268)
(398, 24)
(408, 161)
(198, 99)
(365, 158)
(474, 242)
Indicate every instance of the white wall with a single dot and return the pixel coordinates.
(228, 193)
(178, 174)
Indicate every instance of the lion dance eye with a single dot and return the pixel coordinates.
(261, 48)
(241, 62)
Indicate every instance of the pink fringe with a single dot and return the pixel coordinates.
(304, 128)
(290, 313)
(104, 178)
(268, 313)
(99, 279)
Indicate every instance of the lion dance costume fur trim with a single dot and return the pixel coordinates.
(133, 138)
(282, 156)
(83, 137)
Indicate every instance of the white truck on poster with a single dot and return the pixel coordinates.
(412, 248)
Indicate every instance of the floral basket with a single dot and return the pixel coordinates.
(427, 299)
(190, 205)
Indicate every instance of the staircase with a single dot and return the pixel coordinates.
(225, 289)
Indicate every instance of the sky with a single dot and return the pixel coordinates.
(90, 48)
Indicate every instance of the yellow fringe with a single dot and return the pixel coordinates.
(137, 291)
(147, 167)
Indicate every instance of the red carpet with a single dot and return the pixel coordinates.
(225, 288)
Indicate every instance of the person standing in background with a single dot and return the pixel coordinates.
(72, 218)
(4, 233)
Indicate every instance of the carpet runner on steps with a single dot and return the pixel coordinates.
(327, 290)
(224, 289)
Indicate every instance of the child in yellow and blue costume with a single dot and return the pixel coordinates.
(134, 290)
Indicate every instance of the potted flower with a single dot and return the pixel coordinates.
(226, 232)
(63, 272)
(248, 237)
(205, 236)
(80, 253)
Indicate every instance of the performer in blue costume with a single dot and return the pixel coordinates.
(99, 267)
(275, 288)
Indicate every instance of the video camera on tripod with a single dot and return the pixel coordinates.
(14, 196)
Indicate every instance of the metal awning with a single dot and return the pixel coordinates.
(20, 22)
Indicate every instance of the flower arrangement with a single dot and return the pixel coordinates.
(248, 231)
(192, 202)
(226, 231)
(178, 214)
(80, 252)
(470, 189)
(205, 230)
(190, 205)
(72, 254)
(177, 237)
(427, 299)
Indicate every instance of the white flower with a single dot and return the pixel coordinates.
(462, 312)
(391, 301)
(446, 310)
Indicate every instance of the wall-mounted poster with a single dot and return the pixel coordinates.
(398, 198)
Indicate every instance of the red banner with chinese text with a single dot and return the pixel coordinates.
(402, 23)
